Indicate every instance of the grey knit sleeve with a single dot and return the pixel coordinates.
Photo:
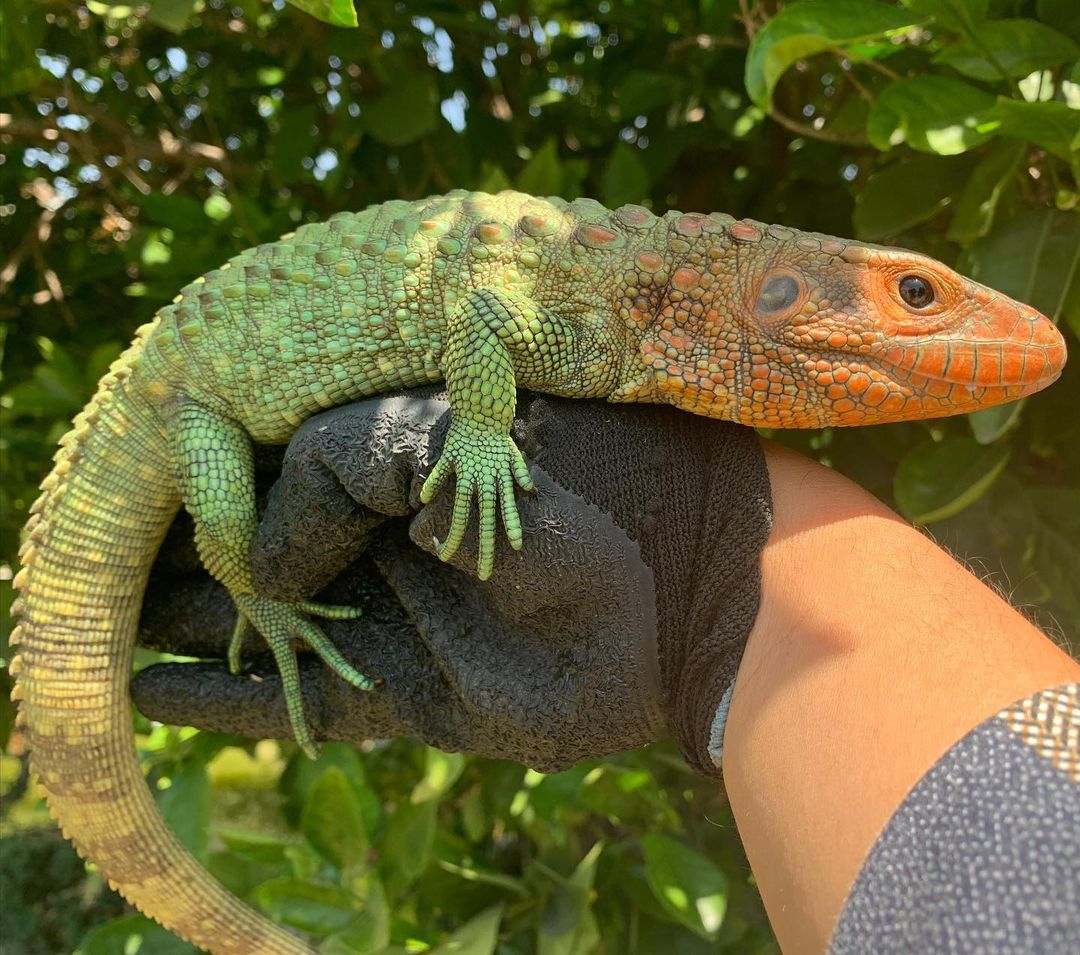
(983, 855)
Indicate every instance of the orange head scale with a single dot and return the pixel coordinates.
(779, 328)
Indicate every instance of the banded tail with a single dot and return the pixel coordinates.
(94, 533)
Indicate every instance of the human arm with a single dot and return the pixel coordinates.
(461, 687)
(873, 652)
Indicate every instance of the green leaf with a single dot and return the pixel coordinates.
(1018, 47)
(407, 845)
(22, 28)
(339, 13)
(938, 479)
(301, 774)
(369, 932)
(173, 15)
(1063, 15)
(904, 194)
(1034, 257)
(1057, 552)
(318, 909)
(567, 925)
(186, 806)
(1053, 126)
(686, 884)
(642, 91)
(542, 175)
(407, 110)
(332, 821)
(813, 26)
(441, 772)
(991, 423)
(132, 933)
(177, 211)
(953, 14)
(256, 846)
(217, 207)
(478, 936)
(934, 114)
(295, 139)
(978, 202)
(625, 179)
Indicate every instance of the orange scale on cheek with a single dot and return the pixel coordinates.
(858, 383)
(685, 279)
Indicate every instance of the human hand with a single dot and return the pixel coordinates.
(624, 614)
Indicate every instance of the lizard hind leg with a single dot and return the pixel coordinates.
(215, 474)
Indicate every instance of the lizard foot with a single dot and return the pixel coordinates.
(485, 464)
(279, 622)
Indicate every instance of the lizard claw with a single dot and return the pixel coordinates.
(485, 465)
(280, 622)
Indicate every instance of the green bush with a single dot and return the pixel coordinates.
(143, 145)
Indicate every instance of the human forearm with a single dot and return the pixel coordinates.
(873, 652)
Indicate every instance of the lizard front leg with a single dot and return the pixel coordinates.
(215, 475)
(496, 341)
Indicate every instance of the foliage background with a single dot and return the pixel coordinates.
(144, 144)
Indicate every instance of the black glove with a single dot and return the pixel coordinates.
(625, 612)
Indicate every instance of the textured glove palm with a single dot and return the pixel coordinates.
(624, 614)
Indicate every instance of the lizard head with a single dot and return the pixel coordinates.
(813, 331)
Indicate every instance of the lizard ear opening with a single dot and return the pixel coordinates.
(780, 295)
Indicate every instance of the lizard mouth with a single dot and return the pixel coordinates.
(1014, 348)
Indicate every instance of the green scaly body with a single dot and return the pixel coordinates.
(737, 320)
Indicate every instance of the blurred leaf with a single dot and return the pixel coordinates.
(257, 846)
(567, 926)
(478, 936)
(542, 175)
(301, 774)
(293, 142)
(133, 933)
(934, 114)
(177, 211)
(318, 909)
(991, 423)
(332, 822)
(625, 179)
(1018, 46)
(217, 207)
(1063, 15)
(1054, 126)
(441, 772)
(157, 248)
(406, 846)
(22, 26)
(642, 91)
(902, 195)
(173, 15)
(186, 806)
(686, 884)
(366, 934)
(954, 14)
(802, 29)
(975, 209)
(339, 13)
(407, 110)
(1057, 555)
(939, 479)
(1034, 257)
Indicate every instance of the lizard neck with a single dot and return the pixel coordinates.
(679, 300)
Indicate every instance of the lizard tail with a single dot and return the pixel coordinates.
(92, 537)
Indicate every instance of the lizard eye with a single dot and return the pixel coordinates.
(777, 294)
(916, 291)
